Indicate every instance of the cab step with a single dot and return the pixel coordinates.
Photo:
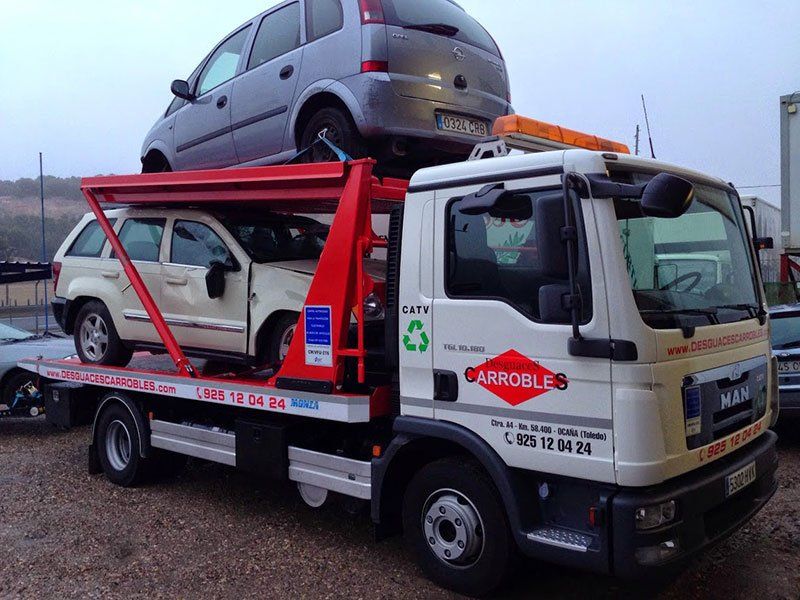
(561, 538)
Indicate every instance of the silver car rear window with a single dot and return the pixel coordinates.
(402, 13)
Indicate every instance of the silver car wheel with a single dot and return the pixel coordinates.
(118, 445)
(453, 528)
(94, 337)
(286, 342)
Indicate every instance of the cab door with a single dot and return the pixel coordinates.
(198, 320)
(500, 335)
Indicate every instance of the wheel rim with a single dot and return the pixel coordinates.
(118, 445)
(286, 341)
(453, 528)
(94, 337)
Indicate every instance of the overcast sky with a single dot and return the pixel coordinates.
(83, 81)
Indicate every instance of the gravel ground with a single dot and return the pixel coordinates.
(213, 533)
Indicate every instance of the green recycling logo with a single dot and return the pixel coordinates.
(412, 341)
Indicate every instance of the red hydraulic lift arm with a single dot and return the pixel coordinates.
(179, 358)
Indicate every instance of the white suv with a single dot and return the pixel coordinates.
(230, 286)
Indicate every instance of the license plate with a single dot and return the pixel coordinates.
(736, 482)
(789, 366)
(456, 124)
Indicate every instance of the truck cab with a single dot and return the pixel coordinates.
(631, 408)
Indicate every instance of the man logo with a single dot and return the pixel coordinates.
(736, 373)
(734, 397)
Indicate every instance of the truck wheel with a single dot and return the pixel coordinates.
(341, 131)
(96, 338)
(455, 524)
(117, 444)
(280, 338)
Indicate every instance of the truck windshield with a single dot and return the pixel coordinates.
(693, 270)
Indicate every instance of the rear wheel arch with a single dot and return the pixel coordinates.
(75, 307)
(133, 406)
(312, 106)
(155, 162)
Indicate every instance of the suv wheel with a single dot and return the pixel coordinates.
(96, 338)
(341, 131)
(280, 338)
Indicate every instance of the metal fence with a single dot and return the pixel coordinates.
(23, 306)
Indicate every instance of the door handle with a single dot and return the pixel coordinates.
(445, 386)
(222, 102)
(287, 72)
(177, 280)
(110, 274)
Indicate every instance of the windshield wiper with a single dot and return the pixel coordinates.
(754, 310)
(711, 313)
(437, 28)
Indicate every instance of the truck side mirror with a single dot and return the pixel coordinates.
(667, 196)
(180, 88)
(215, 280)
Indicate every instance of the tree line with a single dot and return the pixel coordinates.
(21, 234)
(54, 187)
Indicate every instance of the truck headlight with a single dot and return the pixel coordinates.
(373, 307)
(774, 393)
(656, 515)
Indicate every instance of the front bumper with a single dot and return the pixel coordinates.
(704, 514)
(789, 398)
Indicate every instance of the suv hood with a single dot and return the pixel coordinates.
(374, 268)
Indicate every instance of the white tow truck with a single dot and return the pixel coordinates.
(539, 384)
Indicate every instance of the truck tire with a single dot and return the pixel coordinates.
(456, 526)
(96, 338)
(342, 132)
(118, 448)
(280, 337)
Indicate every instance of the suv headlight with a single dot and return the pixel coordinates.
(650, 517)
(373, 308)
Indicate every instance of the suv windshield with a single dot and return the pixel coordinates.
(278, 237)
(693, 270)
(441, 17)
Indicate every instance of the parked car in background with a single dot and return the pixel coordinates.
(230, 285)
(785, 321)
(393, 79)
(16, 344)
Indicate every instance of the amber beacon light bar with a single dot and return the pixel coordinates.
(531, 135)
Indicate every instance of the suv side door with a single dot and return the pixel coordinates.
(203, 138)
(142, 237)
(195, 242)
(264, 93)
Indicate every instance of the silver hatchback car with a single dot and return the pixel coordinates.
(409, 82)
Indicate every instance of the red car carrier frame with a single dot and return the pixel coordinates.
(340, 284)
